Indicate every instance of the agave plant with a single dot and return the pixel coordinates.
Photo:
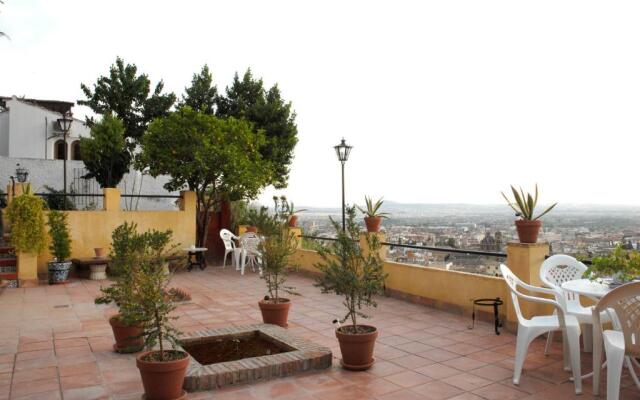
(372, 208)
(525, 204)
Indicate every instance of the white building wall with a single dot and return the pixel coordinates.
(4, 133)
(32, 131)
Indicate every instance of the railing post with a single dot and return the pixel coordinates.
(16, 189)
(188, 201)
(364, 245)
(111, 200)
(296, 232)
(27, 268)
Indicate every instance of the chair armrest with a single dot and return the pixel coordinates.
(543, 300)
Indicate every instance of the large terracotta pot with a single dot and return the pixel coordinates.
(253, 229)
(275, 313)
(293, 221)
(128, 339)
(528, 230)
(373, 223)
(163, 380)
(357, 349)
(101, 252)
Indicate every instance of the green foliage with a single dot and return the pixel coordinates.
(621, 264)
(58, 202)
(128, 96)
(152, 304)
(276, 250)
(525, 204)
(105, 152)
(131, 253)
(248, 99)
(127, 246)
(372, 209)
(349, 272)
(217, 158)
(286, 208)
(238, 210)
(201, 95)
(26, 216)
(60, 246)
(260, 218)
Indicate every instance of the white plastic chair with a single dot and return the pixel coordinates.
(250, 253)
(229, 246)
(621, 344)
(529, 329)
(557, 270)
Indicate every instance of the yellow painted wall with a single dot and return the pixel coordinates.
(449, 290)
(91, 229)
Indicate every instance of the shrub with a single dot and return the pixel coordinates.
(26, 216)
(349, 272)
(60, 245)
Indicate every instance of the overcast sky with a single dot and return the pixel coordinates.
(443, 101)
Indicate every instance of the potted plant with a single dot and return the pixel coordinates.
(60, 247)
(356, 275)
(162, 370)
(524, 205)
(621, 266)
(125, 250)
(26, 218)
(373, 217)
(276, 250)
(288, 209)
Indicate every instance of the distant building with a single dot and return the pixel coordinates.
(29, 129)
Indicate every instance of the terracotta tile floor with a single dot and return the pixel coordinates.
(56, 344)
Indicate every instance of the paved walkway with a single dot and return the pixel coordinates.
(56, 344)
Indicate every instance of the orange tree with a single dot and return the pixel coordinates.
(218, 159)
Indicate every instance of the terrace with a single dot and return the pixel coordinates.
(57, 344)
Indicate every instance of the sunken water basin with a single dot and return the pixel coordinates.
(251, 353)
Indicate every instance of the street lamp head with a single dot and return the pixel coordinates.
(342, 151)
(21, 173)
(65, 122)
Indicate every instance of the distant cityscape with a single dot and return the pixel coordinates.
(580, 230)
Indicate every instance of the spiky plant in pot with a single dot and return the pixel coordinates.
(524, 205)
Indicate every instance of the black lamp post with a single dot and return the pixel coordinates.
(65, 126)
(342, 151)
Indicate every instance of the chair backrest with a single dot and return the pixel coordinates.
(559, 269)
(227, 238)
(514, 282)
(250, 242)
(624, 301)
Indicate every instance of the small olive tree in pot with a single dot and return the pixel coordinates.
(162, 370)
(276, 249)
(356, 275)
(60, 247)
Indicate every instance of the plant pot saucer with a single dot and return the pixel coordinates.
(183, 396)
(362, 367)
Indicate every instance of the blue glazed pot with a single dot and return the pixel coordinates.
(59, 271)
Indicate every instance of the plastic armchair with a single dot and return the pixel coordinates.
(529, 329)
(250, 253)
(557, 270)
(229, 246)
(623, 306)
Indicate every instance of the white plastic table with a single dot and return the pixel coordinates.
(595, 291)
(585, 287)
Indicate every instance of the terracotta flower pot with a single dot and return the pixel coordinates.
(293, 221)
(357, 348)
(275, 313)
(528, 230)
(253, 229)
(373, 223)
(163, 380)
(128, 339)
(101, 252)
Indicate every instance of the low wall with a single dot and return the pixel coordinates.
(91, 229)
(452, 291)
